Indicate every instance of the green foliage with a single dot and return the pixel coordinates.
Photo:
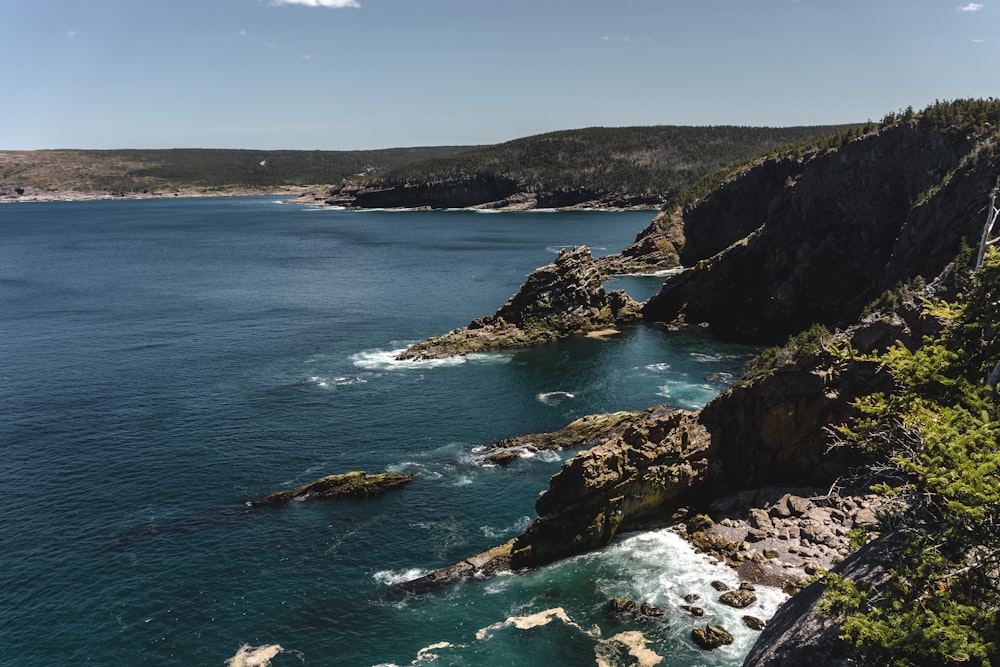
(963, 115)
(803, 343)
(938, 436)
(891, 299)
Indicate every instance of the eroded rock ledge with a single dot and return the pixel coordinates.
(345, 485)
(564, 298)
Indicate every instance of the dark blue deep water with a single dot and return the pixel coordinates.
(162, 362)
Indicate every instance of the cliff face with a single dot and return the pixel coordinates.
(458, 193)
(797, 241)
(769, 431)
(482, 190)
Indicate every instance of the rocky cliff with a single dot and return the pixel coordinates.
(481, 190)
(560, 299)
(798, 240)
(828, 231)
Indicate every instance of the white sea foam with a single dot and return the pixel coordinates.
(393, 577)
(661, 568)
(342, 381)
(518, 526)
(254, 656)
(386, 359)
(688, 396)
(554, 397)
(659, 368)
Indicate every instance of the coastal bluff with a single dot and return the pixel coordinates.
(561, 299)
(860, 237)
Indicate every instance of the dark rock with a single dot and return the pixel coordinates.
(819, 246)
(753, 623)
(622, 607)
(694, 611)
(691, 597)
(346, 485)
(720, 586)
(503, 457)
(485, 564)
(711, 637)
(740, 598)
(699, 522)
(560, 299)
(651, 610)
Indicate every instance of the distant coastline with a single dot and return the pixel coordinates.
(40, 195)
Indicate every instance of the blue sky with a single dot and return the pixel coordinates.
(359, 74)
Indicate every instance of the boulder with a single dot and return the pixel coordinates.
(711, 637)
(650, 610)
(739, 599)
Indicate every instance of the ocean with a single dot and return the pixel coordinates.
(162, 362)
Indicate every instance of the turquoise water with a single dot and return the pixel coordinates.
(162, 362)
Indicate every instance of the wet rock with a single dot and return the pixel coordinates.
(719, 586)
(651, 610)
(699, 522)
(694, 611)
(502, 458)
(691, 597)
(622, 607)
(346, 485)
(753, 623)
(711, 637)
(739, 599)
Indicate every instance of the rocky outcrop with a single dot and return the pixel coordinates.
(560, 299)
(346, 485)
(584, 432)
(795, 241)
(619, 485)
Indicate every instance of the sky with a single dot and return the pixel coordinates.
(367, 74)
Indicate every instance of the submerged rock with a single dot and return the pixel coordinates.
(560, 299)
(346, 485)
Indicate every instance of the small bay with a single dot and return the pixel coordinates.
(164, 361)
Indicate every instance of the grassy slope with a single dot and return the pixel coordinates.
(208, 169)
